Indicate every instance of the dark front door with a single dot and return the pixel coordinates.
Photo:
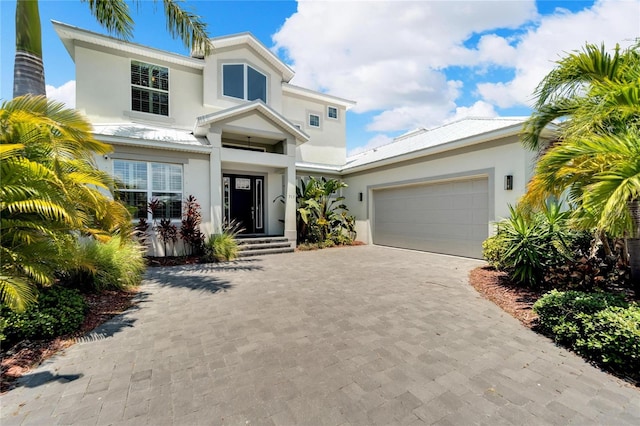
(243, 202)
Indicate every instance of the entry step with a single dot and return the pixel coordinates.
(258, 246)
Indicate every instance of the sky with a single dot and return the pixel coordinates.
(406, 64)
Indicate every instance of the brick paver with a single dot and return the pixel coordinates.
(363, 336)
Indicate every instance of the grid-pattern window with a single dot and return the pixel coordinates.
(149, 88)
(314, 120)
(143, 184)
(332, 112)
(243, 82)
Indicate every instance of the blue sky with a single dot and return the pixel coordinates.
(407, 64)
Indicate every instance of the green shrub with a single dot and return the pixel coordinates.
(612, 337)
(561, 312)
(602, 327)
(108, 266)
(59, 311)
(221, 247)
(493, 249)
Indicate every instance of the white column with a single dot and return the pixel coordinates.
(214, 136)
(290, 193)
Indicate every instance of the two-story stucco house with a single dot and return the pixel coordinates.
(227, 128)
(231, 130)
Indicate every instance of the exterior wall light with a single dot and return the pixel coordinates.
(508, 182)
(360, 196)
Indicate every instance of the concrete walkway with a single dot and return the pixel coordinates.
(362, 336)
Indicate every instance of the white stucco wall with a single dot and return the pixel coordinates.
(500, 158)
(103, 90)
(328, 143)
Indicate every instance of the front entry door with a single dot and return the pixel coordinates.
(243, 202)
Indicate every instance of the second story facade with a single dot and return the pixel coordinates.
(121, 82)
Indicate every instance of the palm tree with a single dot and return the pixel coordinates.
(113, 15)
(577, 88)
(50, 193)
(596, 157)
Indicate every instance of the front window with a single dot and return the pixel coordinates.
(332, 112)
(143, 183)
(243, 82)
(149, 88)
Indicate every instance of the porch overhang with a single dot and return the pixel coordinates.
(203, 123)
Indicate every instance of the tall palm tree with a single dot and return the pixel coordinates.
(596, 158)
(50, 193)
(114, 15)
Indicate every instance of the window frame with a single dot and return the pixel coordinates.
(329, 108)
(150, 90)
(309, 120)
(151, 191)
(245, 80)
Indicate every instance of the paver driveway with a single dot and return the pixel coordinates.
(361, 335)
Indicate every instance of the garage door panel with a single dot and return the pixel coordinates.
(445, 217)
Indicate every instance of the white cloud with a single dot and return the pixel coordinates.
(394, 57)
(65, 93)
(387, 54)
(608, 22)
(376, 141)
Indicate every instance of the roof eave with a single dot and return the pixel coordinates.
(69, 34)
(437, 149)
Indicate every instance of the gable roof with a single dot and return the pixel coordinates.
(249, 39)
(202, 122)
(464, 132)
(69, 34)
(312, 94)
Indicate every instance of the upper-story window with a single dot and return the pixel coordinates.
(314, 120)
(332, 112)
(243, 82)
(149, 88)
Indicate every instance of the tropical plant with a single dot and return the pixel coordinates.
(50, 192)
(190, 228)
(114, 15)
(596, 158)
(321, 216)
(531, 242)
(168, 233)
(223, 247)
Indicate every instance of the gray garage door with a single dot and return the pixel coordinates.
(447, 217)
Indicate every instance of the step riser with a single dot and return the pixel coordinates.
(259, 246)
(264, 252)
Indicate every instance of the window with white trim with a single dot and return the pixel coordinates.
(314, 120)
(149, 88)
(332, 112)
(143, 182)
(243, 82)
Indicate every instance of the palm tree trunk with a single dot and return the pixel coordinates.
(28, 71)
(633, 243)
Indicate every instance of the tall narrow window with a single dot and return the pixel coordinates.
(243, 82)
(141, 183)
(149, 88)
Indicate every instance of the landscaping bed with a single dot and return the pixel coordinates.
(26, 355)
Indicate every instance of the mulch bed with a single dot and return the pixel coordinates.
(515, 300)
(28, 354)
